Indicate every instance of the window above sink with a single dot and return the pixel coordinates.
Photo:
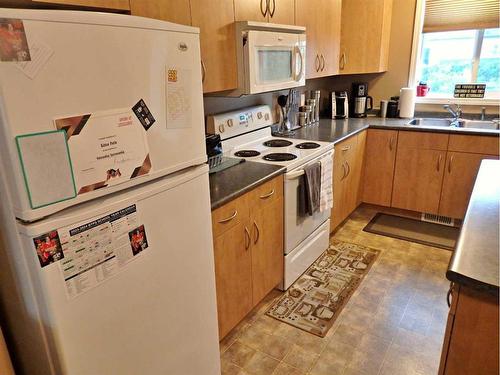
(452, 45)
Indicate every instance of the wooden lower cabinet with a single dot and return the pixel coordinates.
(380, 159)
(460, 173)
(347, 177)
(248, 251)
(471, 344)
(417, 180)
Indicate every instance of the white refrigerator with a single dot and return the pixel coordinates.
(106, 249)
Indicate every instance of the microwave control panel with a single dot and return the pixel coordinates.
(231, 124)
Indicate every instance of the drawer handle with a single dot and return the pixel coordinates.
(229, 218)
(257, 233)
(247, 239)
(346, 148)
(265, 196)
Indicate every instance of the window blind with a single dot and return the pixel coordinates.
(446, 15)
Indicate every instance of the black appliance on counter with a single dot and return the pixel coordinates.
(360, 101)
(216, 161)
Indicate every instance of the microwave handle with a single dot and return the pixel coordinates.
(299, 52)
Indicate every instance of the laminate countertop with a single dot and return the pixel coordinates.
(328, 130)
(475, 260)
(232, 182)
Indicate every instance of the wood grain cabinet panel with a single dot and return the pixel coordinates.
(105, 4)
(274, 11)
(380, 159)
(283, 12)
(267, 248)
(364, 36)
(423, 140)
(322, 21)
(459, 177)
(417, 179)
(233, 276)
(177, 11)
(479, 144)
(215, 18)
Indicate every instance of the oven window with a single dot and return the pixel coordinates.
(275, 65)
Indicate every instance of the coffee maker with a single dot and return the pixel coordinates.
(339, 104)
(360, 101)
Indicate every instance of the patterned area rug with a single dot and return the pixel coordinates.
(314, 301)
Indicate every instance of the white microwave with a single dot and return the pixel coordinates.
(270, 57)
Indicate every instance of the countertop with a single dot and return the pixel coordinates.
(475, 260)
(328, 130)
(237, 180)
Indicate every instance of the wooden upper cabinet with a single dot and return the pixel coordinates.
(459, 177)
(275, 11)
(380, 160)
(215, 18)
(322, 21)
(177, 11)
(105, 4)
(364, 36)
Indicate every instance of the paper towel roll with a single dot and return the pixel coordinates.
(406, 102)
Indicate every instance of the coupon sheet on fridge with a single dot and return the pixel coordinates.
(106, 148)
(97, 249)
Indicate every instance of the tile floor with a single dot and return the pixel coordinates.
(394, 323)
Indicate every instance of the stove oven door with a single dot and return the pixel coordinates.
(298, 227)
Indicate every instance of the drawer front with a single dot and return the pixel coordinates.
(230, 215)
(344, 149)
(266, 193)
(477, 144)
(423, 140)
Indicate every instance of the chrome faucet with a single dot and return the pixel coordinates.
(456, 113)
(483, 113)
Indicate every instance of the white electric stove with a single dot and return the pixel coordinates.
(247, 134)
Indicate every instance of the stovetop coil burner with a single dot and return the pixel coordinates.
(246, 153)
(279, 156)
(277, 143)
(308, 145)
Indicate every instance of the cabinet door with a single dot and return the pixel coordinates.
(215, 18)
(379, 166)
(330, 37)
(282, 12)
(307, 14)
(418, 179)
(251, 10)
(459, 176)
(177, 11)
(364, 36)
(233, 276)
(267, 248)
(106, 4)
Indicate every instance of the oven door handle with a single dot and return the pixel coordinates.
(294, 175)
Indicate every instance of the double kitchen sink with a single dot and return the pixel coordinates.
(456, 123)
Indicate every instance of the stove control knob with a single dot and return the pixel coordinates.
(230, 122)
(221, 128)
(266, 116)
(259, 115)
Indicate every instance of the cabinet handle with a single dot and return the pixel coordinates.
(271, 12)
(448, 295)
(257, 233)
(345, 148)
(344, 174)
(229, 218)
(317, 63)
(438, 167)
(449, 164)
(391, 143)
(348, 168)
(322, 62)
(267, 195)
(203, 71)
(343, 61)
(247, 238)
(262, 10)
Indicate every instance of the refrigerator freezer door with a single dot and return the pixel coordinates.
(127, 90)
(157, 314)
